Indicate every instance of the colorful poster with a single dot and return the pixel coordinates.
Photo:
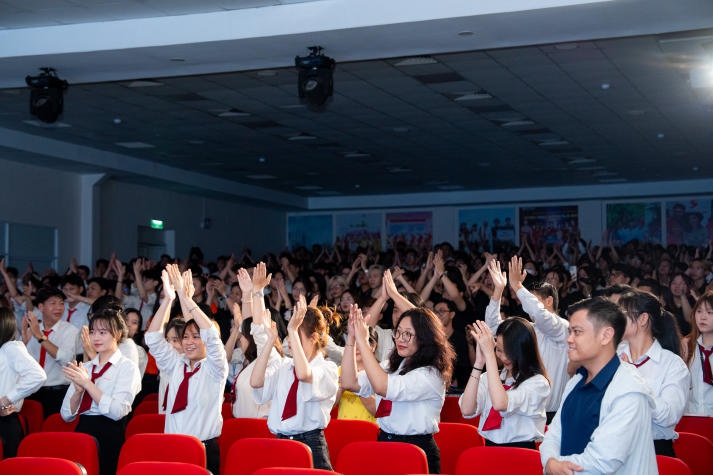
(628, 221)
(414, 229)
(308, 230)
(358, 230)
(548, 225)
(689, 221)
(486, 228)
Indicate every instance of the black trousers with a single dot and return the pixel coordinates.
(425, 441)
(51, 398)
(523, 445)
(315, 440)
(664, 447)
(10, 434)
(110, 437)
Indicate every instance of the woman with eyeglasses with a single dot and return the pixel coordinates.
(410, 386)
(511, 403)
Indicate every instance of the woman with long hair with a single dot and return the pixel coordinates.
(652, 344)
(410, 386)
(699, 357)
(20, 376)
(511, 403)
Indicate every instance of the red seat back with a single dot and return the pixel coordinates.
(672, 466)
(489, 461)
(39, 465)
(162, 448)
(450, 412)
(75, 446)
(34, 415)
(245, 456)
(454, 438)
(700, 425)
(241, 428)
(340, 432)
(381, 458)
(146, 424)
(156, 468)
(55, 423)
(696, 451)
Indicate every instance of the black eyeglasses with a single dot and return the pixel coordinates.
(403, 335)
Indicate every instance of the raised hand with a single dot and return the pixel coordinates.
(168, 291)
(497, 275)
(298, 314)
(261, 278)
(484, 337)
(517, 274)
(359, 325)
(77, 374)
(244, 281)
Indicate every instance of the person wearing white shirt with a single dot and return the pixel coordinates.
(302, 388)
(53, 343)
(652, 346)
(511, 403)
(410, 387)
(172, 332)
(103, 389)
(196, 378)
(699, 357)
(551, 329)
(20, 376)
(604, 422)
(75, 311)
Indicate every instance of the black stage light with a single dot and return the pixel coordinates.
(315, 84)
(46, 95)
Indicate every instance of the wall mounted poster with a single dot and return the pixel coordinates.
(548, 225)
(627, 221)
(414, 229)
(488, 228)
(689, 221)
(358, 230)
(308, 230)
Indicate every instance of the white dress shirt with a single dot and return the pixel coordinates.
(417, 398)
(245, 405)
(623, 442)
(66, 337)
(144, 308)
(385, 343)
(79, 315)
(700, 399)
(524, 419)
(552, 332)
(669, 380)
(202, 418)
(119, 386)
(314, 400)
(20, 374)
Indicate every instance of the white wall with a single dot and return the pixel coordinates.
(42, 196)
(125, 206)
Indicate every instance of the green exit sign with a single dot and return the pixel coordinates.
(156, 224)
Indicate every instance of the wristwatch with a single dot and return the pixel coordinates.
(41, 339)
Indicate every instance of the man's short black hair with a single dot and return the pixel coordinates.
(602, 313)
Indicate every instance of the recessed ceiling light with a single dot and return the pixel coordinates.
(416, 61)
(566, 46)
(450, 187)
(261, 159)
(293, 106)
(233, 112)
(553, 143)
(517, 123)
(660, 135)
(45, 125)
(135, 145)
(267, 73)
(357, 186)
(695, 168)
(579, 160)
(465, 33)
(399, 170)
(302, 136)
(590, 169)
(196, 142)
(12, 92)
(605, 86)
(308, 187)
(177, 60)
(260, 176)
(144, 83)
(116, 120)
(613, 180)
(604, 173)
(356, 154)
(474, 96)
(483, 164)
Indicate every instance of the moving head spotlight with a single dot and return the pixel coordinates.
(315, 83)
(46, 95)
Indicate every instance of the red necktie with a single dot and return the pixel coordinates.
(86, 398)
(638, 365)
(291, 402)
(706, 364)
(182, 395)
(384, 409)
(494, 420)
(70, 312)
(43, 352)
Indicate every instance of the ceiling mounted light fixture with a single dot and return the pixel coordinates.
(46, 95)
(315, 83)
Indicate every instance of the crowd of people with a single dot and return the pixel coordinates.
(606, 345)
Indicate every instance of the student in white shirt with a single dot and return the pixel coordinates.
(103, 389)
(197, 377)
(698, 357)
(302, 388)
(172, 332)
(410, 386)
(20, 376)
(53, 343)
(551, 329)
(75, 311)
(652, 345)
(511, 402)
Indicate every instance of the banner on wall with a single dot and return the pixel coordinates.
(689, 221)
(547, 225)
(358, 230)
(628, 221)
(486, 227)
(308, 230)
(414, 229)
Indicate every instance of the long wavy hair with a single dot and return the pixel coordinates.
(433, 346)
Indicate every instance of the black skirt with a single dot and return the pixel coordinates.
(110, 437)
